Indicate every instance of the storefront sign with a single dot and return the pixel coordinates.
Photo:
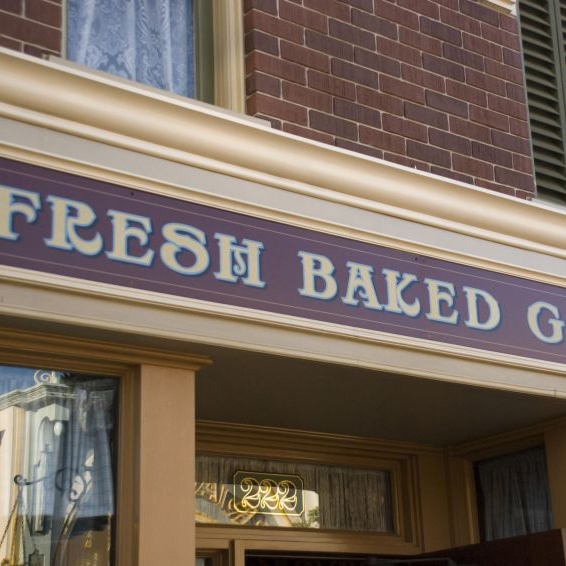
(65, 224)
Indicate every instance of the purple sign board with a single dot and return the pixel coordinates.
(65, 224)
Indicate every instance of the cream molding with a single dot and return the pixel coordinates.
(509, 6)
(145, 120)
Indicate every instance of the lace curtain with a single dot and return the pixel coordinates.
(514, 495)
(353, 499)
(149, 41)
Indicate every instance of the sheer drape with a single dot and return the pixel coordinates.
(514, 494)
(149, 41)
(348, 498)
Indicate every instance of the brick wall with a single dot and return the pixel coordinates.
(31, 26)
(431, 84)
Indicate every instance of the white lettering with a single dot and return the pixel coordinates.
(557, 325)
(360, 282)
(440, 292)
(239, 261)
(494, 317)
(124, 228)
(317, 267)
(182, 237)
(397, 283)
(9, 206)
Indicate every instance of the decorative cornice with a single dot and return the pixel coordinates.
(506, 6)
(168, 126)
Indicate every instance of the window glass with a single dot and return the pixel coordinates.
(149, 41)
(57, 445)
(513, 495)
(262, 493)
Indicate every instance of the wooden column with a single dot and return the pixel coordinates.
(166, 466)
(555, 442)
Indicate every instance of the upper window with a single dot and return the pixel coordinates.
(543, 31)
(154, 42)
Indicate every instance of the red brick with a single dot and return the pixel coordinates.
(452, 142)
(351, 34)
(262, 104)
(426, 115)
(506, 106)
(258, 82)
(406, 128)
(258, 61)
(508, 23)
(10, 43)
(475, 10)
(269, 6)
(357, 113)
(330, 8)
(492, 154)
(402, 89)
(460, 21)
(304, 56)
(519, 128)
(522, 163)
(302, 16)
(485, 82)
(462, 56)
(472, 167)
(510, 142)
(274, 26)
(489, 118)
(516, 92)
(382, 140)
(14, 6)
(466, 92)
(514, 179)
(420, 41)
(377, 62)
(398, 51)
(446, 103)
(359, 148)
(495, 187)
(443, 67)
(423, 78)
(30, 31)
(38, 51)
(451, 174)
(406, 162)
(424, 7)
(308, 133)
(441, 31)
(396, 14)
(504, 71)
(366, 5)
(500, 37)
(332, 85)
(333, 125)
(470, 129)
(262, 42)
(275, 124)
(428, 153)
(483, 47)
(452, 4)
(354, 73)
(383, 102)
(374, 24)
(329, 45)
(527, 195)
(307, 97)
(512, 58)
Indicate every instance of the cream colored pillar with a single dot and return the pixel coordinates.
(166, 466)
(555, 441)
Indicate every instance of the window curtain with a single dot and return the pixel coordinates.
(149, 41)
(514, 495)
(353, 499)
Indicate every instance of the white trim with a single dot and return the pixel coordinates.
(509, 6)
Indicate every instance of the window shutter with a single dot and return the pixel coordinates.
(543, 31)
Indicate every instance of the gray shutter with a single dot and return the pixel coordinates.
(543, 31)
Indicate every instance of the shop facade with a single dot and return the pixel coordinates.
(228, 341)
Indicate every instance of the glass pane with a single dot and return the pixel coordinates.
(57, 444)
(261, 493)
(513, 495)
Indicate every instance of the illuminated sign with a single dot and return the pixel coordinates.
(64, 224)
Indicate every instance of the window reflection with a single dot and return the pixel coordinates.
(56, 467)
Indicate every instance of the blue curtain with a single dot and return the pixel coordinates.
(149, 41)
(515, 493)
